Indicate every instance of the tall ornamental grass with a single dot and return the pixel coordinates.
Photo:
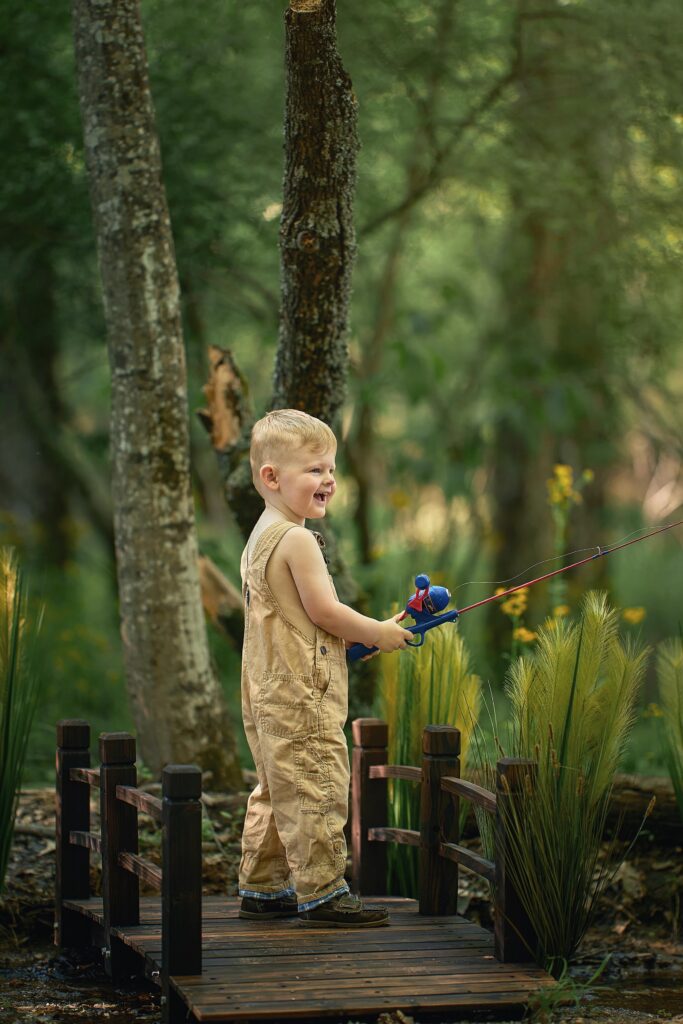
(433, 685)
(572, 706)
(670, 679)
(18, 694)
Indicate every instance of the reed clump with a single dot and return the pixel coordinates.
(429, 686)
(572, 706)
(18, 693)
(670, 680)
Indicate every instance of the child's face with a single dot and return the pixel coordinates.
(305, 484)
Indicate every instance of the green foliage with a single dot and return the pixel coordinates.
(79, 661)
(670, 676)
(430, 686)
(532, 316)
(19, 692)
(572, 707)
(566, 991)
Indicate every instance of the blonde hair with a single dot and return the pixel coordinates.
(283, 431)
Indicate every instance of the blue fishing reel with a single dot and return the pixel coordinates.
(424, 608)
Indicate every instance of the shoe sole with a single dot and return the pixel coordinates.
(248, 916)
(344, 924)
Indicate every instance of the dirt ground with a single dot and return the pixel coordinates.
(638, 925)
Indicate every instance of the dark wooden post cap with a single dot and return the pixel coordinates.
(514, 770)
(181, 782)
(441, 741)
(73, 734)
(370, 732)
(117, 748)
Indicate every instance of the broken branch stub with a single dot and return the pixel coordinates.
(228, 414)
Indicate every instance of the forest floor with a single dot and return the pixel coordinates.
(639, 917)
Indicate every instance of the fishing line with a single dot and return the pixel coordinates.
(597, 548)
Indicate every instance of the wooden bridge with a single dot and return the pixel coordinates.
(213, 966)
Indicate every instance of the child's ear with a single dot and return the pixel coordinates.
(269, 477)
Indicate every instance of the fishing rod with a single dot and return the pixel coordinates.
(426, 604)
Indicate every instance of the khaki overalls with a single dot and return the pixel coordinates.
(294, 704)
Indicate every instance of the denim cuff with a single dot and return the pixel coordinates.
(323, 899)
(266, 895)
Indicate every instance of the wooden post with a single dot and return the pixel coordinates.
(72, 813)
(515, 938)
(438, 877)
(370, 738)
(119, 832)
(181, 892)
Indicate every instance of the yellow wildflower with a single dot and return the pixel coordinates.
(561, 490)
(633, 615)
(653, 711)
(399, 498)
(515, 604)
(524, 635)
(560, 610)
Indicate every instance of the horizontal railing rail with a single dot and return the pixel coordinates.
(395, 771)
(144, 802)
(471, 791)
(147, 872)
(407, 836)
(469, 859)
(89, 775)
(90, 840)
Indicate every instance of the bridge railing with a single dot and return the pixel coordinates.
(440, 851)
(179, 879)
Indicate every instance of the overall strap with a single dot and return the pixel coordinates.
(265, 545)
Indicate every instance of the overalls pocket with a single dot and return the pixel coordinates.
(312, 776)
(287, 705)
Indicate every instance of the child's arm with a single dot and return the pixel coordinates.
(307, 566)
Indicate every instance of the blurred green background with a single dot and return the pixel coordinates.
(517, 304)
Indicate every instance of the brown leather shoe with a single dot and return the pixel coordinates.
(345, 911)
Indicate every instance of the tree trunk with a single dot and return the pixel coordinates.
(317, 247)
(317, 238)
(177, 703)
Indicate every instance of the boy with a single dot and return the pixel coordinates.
(294, 686)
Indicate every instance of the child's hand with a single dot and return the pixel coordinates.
(392, 637)
(350, 643)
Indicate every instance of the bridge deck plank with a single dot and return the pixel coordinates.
(277, 970)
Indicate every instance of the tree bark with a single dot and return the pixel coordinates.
(317, 238)
(177, 704)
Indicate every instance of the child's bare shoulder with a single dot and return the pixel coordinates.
(300, 543)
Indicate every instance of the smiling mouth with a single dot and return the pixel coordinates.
(321, 497)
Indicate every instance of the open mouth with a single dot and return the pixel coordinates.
(321, 497)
